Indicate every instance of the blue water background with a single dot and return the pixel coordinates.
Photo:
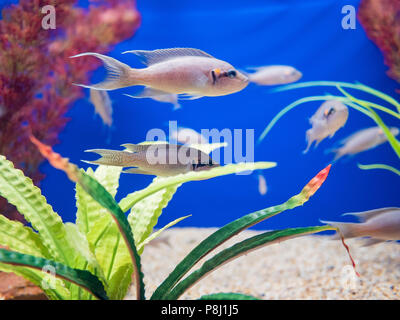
(306, 34)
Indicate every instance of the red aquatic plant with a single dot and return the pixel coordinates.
(36, 74)
(381, 21)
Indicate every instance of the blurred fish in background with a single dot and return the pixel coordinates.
(274, 75)
(329, 118)
(102, 105)
(362, 140)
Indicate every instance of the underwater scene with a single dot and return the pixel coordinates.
(212, 150)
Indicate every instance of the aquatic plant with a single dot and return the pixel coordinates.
(36, 72)
(97, 256)
(380, 19)
(364, 106)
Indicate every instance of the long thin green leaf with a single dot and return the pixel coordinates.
(133, 198)
(227, 296)
(233, 228)
(379, 166)
(357, 86)
(20, 191)
(305, 100)
(238, 250)
(81, 278)
(154, 235)
(392, 140)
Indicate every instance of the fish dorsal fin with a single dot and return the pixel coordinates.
(155, 56)
(134, 147)
(366, 215)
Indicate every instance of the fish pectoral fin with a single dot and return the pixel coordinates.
(150, 57)
(137, 171)
(148, 92)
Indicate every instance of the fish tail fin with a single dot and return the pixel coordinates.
(108, 157)
(348, 230)
(337, 151)
(119, 75)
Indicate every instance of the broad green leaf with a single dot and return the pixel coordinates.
(154, 235)
(60, 292)
(379, 166)
(15, 236)
(112, 255)
(227, 296)
(20, 191)
(119, 282)
(82, 278)
(89, 210)
(133, 198)
(103, 197)
(86, 260)
(145, 213)
(233, 228)
(237, 250)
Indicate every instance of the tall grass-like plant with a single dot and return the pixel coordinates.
(96, 257)
(364, 106)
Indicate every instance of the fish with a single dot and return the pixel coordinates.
(160, 159)
(329, 118)
(102, 105)
(187, 72)
(188, 136)
(378, 224)
(274, 75)
(362, 140)
(262, 185)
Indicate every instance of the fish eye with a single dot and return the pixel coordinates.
(231, 74)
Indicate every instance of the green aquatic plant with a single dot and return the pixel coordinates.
(364, 106)
(97, 256)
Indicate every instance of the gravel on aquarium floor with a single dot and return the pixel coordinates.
(309, 267)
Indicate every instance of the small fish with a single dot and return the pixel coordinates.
(183, 71)
(379, 224)
(155, 159)
(274, 75)
(188, 136)
(262, 185)
(363, 140)
(329, 118)
(102, 105)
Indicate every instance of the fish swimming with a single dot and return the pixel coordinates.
(363, 140)
(329, 118)
(155, 159)
(379, 224)
(102, 105)
(183, 71)
(262, 185)
(274, 75)
(188, 136)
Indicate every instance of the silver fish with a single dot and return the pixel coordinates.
(155, 159)
(262, 185)
(329, 118)
(182, 71)
(188, 136)
(363, 140)
(274, 75)
(379, 224)
(102, 105)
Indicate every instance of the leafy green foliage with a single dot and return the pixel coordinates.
(97, 256)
